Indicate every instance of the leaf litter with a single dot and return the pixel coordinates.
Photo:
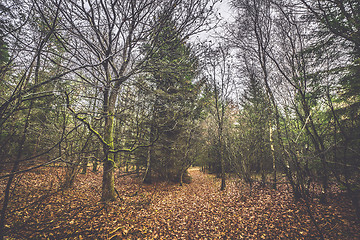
(38, 210)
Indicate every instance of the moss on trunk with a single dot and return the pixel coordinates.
(108, 185)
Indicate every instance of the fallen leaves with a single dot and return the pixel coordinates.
(167, 211)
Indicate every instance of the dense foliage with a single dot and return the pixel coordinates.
(124, 88)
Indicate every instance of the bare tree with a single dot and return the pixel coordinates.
(251, 34)
(218, 71)
(103, 43)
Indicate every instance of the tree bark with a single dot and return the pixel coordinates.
(108, 187)
(95, 165)
(84, 165)
(222, 162)
(11, 177)
(148, 177)
(181, 177)
(272, 155)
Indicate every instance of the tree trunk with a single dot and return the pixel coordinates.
(84, 165)
(127, 165)
(181, 177)
(6, 200)
(71, 170)
(294, 186)
(15, 168)
(318, 144)
(147, 177)
(272, 155)
(220, 150)
(137, 169)
(223, 182)
(223, 176)
(94, 165)
(263, 177)
(108, 187)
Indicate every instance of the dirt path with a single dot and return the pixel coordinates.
(188, 212)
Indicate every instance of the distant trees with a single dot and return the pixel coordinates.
(219, 75)
(255, 113)
(250, 35)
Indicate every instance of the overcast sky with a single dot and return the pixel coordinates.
(223, 10)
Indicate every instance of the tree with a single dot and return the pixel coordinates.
(218, 72)
(4, 55)
(103, 50)
(172, 70)
(338, 46)
(251, 34)
(256, 111)
(25, 89)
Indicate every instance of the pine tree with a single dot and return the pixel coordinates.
(256, 113)
(171, 72)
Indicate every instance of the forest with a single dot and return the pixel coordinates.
(179, 119)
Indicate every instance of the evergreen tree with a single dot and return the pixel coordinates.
(171, 72)
(255, 112)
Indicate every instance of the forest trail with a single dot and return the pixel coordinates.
(190, 211)
(164, 210)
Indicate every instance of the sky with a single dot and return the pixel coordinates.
(223, 10)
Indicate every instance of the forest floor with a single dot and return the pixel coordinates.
(169, 211)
